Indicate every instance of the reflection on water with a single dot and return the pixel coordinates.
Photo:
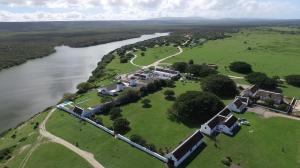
(31, 87)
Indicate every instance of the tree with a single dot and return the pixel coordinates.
(169, 94)
(129, 96)
(123, 60)
(115, 113)
(240, 67)
(121, 126)
(191, 62)
(84, 87)
(201, 70)
(220, 85)
(196, 106)
(142, 54)
(146, 103)
(293, 80)
(180, 66)
(262, 80)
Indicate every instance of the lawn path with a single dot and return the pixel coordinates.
(89, 157)
(156, 62)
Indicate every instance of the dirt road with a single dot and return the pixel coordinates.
(267, 114)
(85, 155)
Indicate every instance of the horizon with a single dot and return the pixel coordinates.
(137, 10)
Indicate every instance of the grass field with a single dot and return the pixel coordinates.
(154, 54)
(110, 152)
(51, 155)
(272, 52)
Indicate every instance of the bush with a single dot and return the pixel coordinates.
(115, 113)
(240, 67)
(220, 85)
(169, 94)
(201, 70)
(121, 126)
(196, 105)
(293, 80)
(180, 66)
(262, 80)
(146, 103)
(84, 87)
(123, 60)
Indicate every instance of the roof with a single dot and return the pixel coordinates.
(254, 88)
(225, 112)
(238, 103)
(185, 146)
(167, 70)
(214, 121)
(269, 94)
(230, 121)
(78, 110)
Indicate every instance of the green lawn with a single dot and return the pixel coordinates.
(88, 99)
(273, 142)
(110, 152)
(51, 155)
(154, 54)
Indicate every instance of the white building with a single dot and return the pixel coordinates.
(237, 106)
(112, 90)
(223, 122)
(185, 149)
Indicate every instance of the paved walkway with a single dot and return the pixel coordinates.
(89, 157)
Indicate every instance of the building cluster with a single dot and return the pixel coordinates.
(137, 80)
(254, 92)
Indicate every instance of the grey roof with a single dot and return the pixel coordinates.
(269, 94)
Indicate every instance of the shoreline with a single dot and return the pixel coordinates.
(99, 62)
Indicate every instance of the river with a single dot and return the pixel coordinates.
(29, 88)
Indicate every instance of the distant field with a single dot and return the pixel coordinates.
(154, 54)
(51, 155)
(271, 52)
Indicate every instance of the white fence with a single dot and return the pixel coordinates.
(156, 155)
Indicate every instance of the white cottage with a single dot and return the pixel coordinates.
(185, 149)
(112, 90)
(237, 106)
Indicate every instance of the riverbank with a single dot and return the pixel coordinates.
(30, 87)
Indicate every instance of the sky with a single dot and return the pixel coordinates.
(72, 10)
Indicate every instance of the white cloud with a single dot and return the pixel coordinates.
(142, 9)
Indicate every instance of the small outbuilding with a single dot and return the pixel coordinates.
(237, 106)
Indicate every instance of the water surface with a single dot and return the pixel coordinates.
(31, 87)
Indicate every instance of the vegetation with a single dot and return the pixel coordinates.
(240, 67)
(220, 85)
(115, 113)
(169, 94)
(293, 80)
(262, 80)
(180, 66)
(121, 126)
(146, 103)
(84, 87)
(196, 70)
(196, 106)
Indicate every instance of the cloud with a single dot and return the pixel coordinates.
(15, 10)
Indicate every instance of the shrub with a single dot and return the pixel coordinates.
(240, 67)
(293, 80)
(115, 113)
(220, 85)
(123, 60)
(169, 94)
(262, 80)
(201, 70)
(196, 105)
(146, 103)
(121, 126)
(129, 96)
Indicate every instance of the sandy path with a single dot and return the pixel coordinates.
(267, 114)
(89, 157)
